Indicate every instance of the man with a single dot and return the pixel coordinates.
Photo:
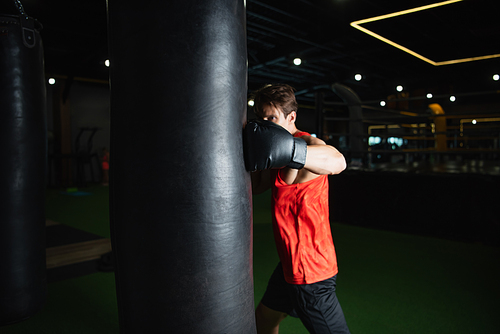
(296, 166)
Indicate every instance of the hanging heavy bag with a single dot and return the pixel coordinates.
(22, 168)
(180, 200)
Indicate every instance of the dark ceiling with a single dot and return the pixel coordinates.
(318, 31)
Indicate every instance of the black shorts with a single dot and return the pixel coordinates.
(316, 304)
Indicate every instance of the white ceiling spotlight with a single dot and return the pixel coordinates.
(453, 98)
(496, 77)
(429, 95)
(52, 81)
(106, 62)
(297, 61)
(382, 103)
(399, 88)
(358, 77)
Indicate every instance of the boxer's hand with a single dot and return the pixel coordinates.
(267, 145)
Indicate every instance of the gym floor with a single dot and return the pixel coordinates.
(388, 282)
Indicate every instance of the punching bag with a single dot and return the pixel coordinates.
(356, 129)
(22, 170)
(180, 196)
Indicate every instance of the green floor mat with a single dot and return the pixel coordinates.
(389, 283)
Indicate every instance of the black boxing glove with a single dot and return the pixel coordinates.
(268, 145)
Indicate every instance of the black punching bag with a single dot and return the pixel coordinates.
(180, 195)
(22, 169)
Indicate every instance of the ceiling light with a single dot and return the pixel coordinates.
(251, 103)
(356, 24)
(52, 81)
(358, 77)
(429, 95)
(297, 61)
(453, 98)
(382, 103)
(496, 77)
(474, 121)
(399, 88)
(106, 62)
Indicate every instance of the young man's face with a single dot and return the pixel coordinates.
(275, 115)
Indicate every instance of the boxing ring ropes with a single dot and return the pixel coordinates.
(402, 139)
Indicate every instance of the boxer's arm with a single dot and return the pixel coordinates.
(323, 159)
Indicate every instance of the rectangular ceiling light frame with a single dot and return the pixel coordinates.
(357, 25)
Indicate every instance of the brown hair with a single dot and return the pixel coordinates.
(280, 96)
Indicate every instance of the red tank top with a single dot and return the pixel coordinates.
(302, 229)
